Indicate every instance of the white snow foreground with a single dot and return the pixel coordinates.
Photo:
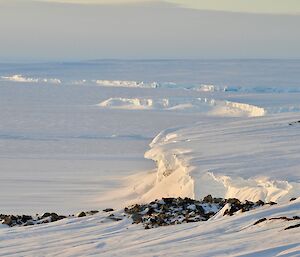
(99, 236)
(250, 159)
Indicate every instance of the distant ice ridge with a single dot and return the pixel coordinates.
(211, 106)
(134, 103)
(121, 83)
(252, 159)
(261, 89)
(211, 88)
(205, 88)
(23, 79)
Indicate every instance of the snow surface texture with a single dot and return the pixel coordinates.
(220, 236)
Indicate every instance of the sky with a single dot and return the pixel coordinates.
(148, 29)
(253, 6)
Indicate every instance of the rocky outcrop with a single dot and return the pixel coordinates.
(294, 123)
(171, 211)
(47, 217)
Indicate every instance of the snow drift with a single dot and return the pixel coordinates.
(203, 159)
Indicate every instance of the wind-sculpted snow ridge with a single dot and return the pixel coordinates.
(253, 159)
(134, 103)
(211, 106)
(23, 79)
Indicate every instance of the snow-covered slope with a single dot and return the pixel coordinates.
(99, 236)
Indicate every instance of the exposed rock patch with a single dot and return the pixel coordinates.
(28, 220)
(171, 211)
(294, 226)
(294, 123)
(260, 221)
(281, 218)
(108, 210)
(81, 214)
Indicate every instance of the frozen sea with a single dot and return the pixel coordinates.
(71, 133)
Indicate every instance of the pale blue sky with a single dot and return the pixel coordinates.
(47, 30)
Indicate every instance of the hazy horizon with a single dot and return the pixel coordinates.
(51, 31)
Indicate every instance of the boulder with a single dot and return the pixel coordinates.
(136, 218)
(9, 220)
(80, 214)
(25, 218)
(208, 199)
(54, 217)
(46, 215)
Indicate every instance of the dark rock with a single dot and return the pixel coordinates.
(25, 218)
(260, 203)
(114, 218)
(200, 209)
(233, 201)
(186, 200)
(136, 218)
(259, 221)
(46, 215)
(9, 220)
(94, 212)
(293, 199)
(272, 203)
(54, 217)
(133, 209)
(208, 199)
(81, 214)
(292, 227)
(218, 200)
(108, 210)
(168, 200)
